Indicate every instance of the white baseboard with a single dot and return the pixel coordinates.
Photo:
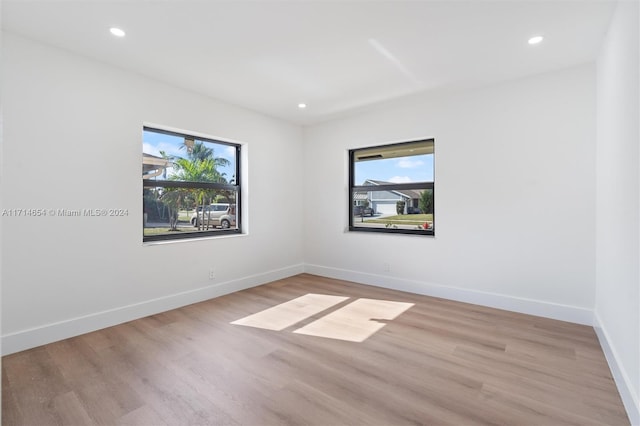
(30, 338)
(26, 339)
(527, 306)
(630, 398)
(509, 303)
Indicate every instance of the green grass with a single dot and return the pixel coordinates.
(183, 226)
(404, 219)
(166, 230)
(184, 215)
(157, 231)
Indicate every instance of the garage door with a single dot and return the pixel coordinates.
(385, 208)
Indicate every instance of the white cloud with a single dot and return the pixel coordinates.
(168, 148)
(400, 179)
(410, 164)
(229, 153)
(147, 148)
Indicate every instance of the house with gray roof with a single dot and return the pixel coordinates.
(384, 202)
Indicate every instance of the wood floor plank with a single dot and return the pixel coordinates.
(11, 413)
(144, 415)
(440, 362)
(71, 411)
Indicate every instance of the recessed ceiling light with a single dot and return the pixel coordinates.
(302, 105)
(117, 32)
(535, 39)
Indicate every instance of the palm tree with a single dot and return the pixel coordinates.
(174, 198)
(170, 158)
(197, 170)
(201, 165)
(196, 150)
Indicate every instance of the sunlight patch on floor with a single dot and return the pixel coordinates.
(354, 323)
(292, 312)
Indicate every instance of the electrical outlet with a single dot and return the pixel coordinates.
(386, 267)
(212, 274)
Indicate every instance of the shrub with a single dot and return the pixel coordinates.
(426, 201)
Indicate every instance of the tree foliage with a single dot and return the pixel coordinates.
(426, 201)
(200, 166)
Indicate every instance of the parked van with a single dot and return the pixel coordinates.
(216, 214)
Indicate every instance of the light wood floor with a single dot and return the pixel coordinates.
(439, 362)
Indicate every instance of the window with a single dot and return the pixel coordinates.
(391, 188)
(190, 185)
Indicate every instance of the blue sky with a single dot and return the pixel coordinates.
(153, 143)
(416, 168)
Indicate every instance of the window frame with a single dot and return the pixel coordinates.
(353, 188)
(236, 187)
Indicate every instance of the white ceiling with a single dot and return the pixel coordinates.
(336, 56)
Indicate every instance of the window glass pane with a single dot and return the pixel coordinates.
(407, 209)
(187, 159)
(180, 211)
(411, 162)
(393, 188)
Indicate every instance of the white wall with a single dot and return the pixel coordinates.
(72, 139)
(618, 194)
(515, 199)
(516, 221)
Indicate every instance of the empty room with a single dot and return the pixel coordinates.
(320, 212)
